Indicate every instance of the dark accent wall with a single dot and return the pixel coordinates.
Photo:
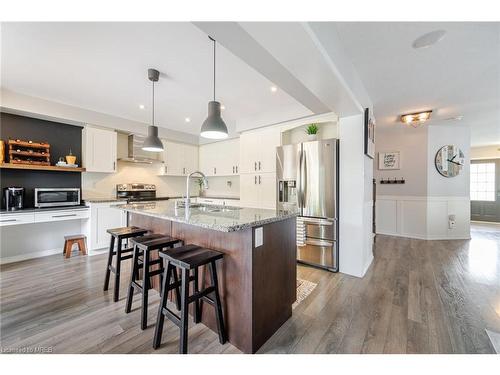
(61, 138)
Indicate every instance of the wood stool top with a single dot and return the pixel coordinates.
(154, 241)
(191, 256)
(127, 232)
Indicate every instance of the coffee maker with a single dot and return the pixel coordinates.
(13, 198)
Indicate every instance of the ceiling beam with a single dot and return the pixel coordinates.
(241, 44)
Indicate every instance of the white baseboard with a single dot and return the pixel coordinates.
(37, 254)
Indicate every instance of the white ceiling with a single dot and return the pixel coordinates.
(103, 67)
(459, 76)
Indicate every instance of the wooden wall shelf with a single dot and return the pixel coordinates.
(40, 167)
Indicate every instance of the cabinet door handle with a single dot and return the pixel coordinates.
(233, 169)
(114, 165)
(184, 170)
(67, 215)
(236, 169)
(215, 170)
(259, 165)
(7, 220)
(255, 180)
(255, 166)
(259, 180)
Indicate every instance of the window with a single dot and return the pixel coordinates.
(482, 182)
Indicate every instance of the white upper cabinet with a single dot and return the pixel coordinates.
(258, 150)
(99, 149)
(220, 158)
(258, 190)
(179, 159)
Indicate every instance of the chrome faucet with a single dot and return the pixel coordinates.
(205, 185)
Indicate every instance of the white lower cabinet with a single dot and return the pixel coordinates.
(103, 216)
(61, 215)
(17, 218)
(258, 190)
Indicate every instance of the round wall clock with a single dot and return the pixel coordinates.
(449, 160)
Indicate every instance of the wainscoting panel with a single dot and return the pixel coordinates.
(423, 217)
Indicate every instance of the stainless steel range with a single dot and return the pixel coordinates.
(137, 192)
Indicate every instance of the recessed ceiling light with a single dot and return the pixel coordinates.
(428, 39)
(273, 89)
(141, 106)
(187, 119)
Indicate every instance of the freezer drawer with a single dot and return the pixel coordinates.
(320, 228)
(319, 253)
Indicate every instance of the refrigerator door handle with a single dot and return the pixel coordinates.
(299, 180)
(303, 177)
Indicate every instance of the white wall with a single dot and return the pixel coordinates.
(103, 185)
(355, 206)
(422, 206)
(485, 152)
(412, 144)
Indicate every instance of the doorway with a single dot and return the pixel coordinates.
(485, 190)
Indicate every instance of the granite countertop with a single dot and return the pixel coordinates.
(45, 209)
(220, 218)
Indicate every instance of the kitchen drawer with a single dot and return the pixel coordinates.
(15, 219)
(41, 217)
(320, 228)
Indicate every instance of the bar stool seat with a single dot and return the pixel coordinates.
(120, 236)
(142, 248)
(187, 258)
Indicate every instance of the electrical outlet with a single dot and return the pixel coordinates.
(451, 221)
(259, 236)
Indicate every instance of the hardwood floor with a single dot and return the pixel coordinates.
(417, 297)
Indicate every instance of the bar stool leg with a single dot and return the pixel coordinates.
(184, 311)
(110, 259)
(133, 275)
(218, 306)
(163, 303)
(197, 314)
(177, 290)
(116, 294)
(145, 290)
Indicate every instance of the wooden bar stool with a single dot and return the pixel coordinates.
(79, 239)
(187, 258)
(120, 236)
(143, 246)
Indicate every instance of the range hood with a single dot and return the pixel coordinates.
(135, 152)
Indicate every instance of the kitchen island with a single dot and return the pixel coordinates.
(258, 274)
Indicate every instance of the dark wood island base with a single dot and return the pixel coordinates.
(257, 284)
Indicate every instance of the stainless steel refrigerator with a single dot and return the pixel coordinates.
(307, 181)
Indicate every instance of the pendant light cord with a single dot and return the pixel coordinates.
(213, 40)
(153, 115)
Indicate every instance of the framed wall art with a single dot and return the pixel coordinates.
(389, 160)
(369, 135)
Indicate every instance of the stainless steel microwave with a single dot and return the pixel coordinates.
(55, 197)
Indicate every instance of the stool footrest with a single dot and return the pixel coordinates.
(197, 295)
(172, 316)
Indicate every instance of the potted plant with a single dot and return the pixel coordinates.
(312, 131)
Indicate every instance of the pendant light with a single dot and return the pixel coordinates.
(152, 142)
(214, 127)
